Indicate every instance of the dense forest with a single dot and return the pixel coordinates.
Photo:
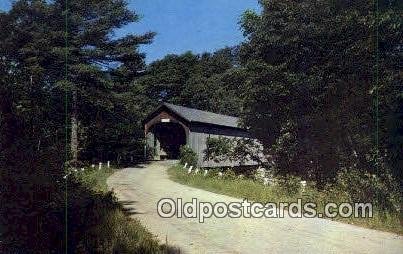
(318, 82)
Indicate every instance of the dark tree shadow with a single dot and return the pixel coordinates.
(130, 211)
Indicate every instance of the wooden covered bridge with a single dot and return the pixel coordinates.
(171, 126)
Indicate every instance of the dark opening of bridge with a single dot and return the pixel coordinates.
(169, 137)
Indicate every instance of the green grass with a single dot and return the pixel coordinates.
(256, 191)
(96, 179)
(115, 231)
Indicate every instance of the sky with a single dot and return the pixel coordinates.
(183, 25)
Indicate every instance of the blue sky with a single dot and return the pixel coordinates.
(182, 25)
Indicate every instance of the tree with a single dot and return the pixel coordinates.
(37, 71)
(216, 84)
(208, 81)
(165, 78)
(313, 69)
(238, 150)
(92, 49)
(73, 54)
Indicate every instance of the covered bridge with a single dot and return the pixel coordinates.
(171, 126)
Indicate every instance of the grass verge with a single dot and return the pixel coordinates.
(108, 229)
(256, 191)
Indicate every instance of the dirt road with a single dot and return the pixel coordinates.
(140, 189)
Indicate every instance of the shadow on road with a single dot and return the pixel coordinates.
(128, 207)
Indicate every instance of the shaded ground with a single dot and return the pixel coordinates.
(140, 189)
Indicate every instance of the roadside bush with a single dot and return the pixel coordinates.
(259, 174)
(187, 155)
(150, 152)
(218, 149)
(288, 184)
(358, 186)
(213, 172)
(97, 224)
(229, 174)
(74, 164)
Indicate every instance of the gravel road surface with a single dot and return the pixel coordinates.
(140, 188)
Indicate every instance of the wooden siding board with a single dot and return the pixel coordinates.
(196, 135)
(198, 144)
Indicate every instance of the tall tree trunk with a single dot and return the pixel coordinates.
(74, 128)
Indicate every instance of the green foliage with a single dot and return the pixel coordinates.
(95, 179)
(222, 173)
(119, 234)
(288, 184)
(305, 82)
(150, 152)
(187, 155)
(101, 219)
(218, 149)
(382, 190)
(229, 174)
(240, 150)
(247, 150)
(309, 95)
(213, 172)
(207, 81)
(76, 73)
(165, 79)
(286, 189)
(37, 85)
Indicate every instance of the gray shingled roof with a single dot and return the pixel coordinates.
(195, 115)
